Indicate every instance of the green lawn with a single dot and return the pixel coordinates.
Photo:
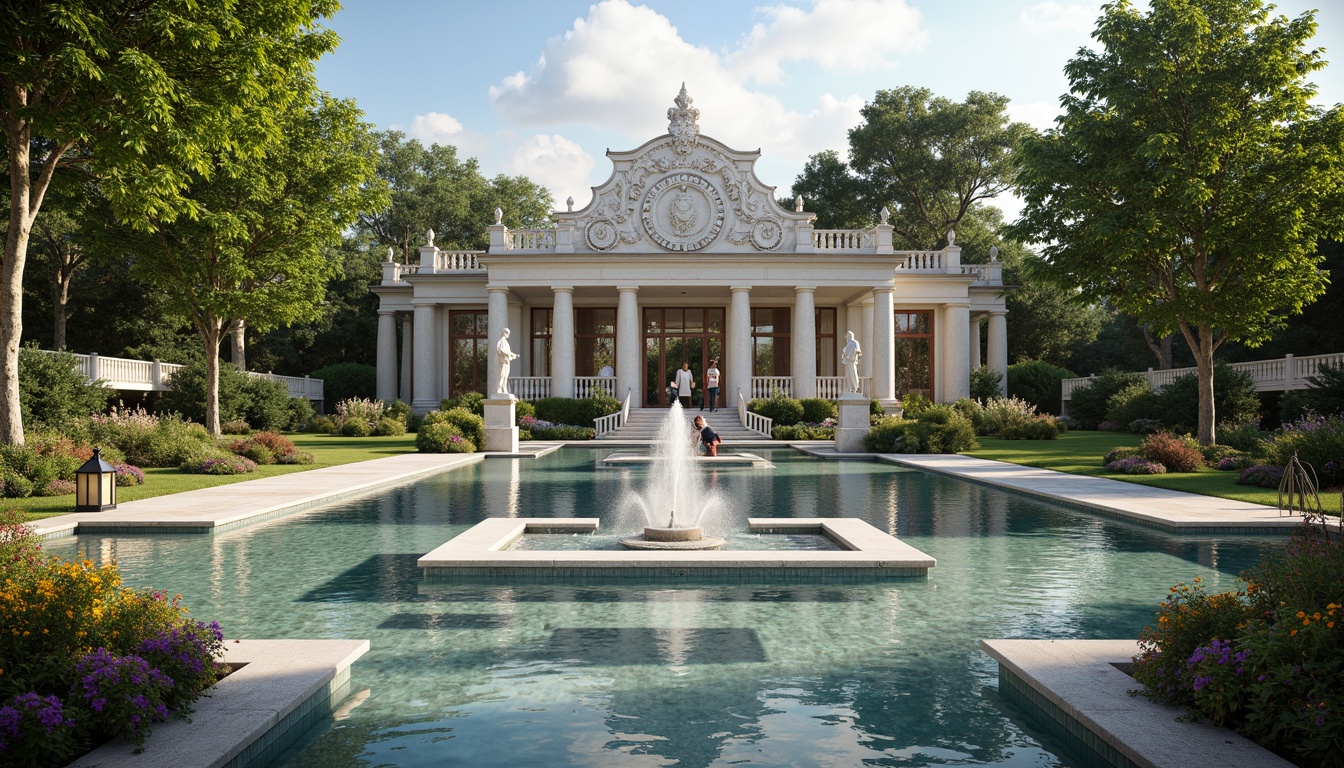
(329, 450)
(1080, 453)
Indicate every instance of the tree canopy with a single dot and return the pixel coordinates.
(1189, 178)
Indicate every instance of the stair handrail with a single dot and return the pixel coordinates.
(755, 422)
(613, 421)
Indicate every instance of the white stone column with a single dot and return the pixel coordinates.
(804, 342)
(975, 343)
(407, 355)
(519, 338)
(884, 349)
(628, 346)
(562, 342)
(866, 339)
(738, 370)
(956, 376)
(425, 384)
(997, 350)
(497, 319)
(387, 355)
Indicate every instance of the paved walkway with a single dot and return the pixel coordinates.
(1159, 507)
(208, 510)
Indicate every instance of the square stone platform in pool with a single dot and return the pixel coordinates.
(722, 460)
(865, 554)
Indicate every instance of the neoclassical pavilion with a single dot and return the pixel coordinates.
(683, 255)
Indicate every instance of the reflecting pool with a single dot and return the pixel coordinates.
(605, 674)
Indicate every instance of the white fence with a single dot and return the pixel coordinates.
(587, 386)
(613, 421)
(832, 387)
(765, 386)
(152, 376)
(761, 425)
(530, 387)
(1280, 375)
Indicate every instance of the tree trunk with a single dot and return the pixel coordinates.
(11, 275)
(1161, 348)
(1204, 369)
(60, 300)
(238, 348)
(212, 339)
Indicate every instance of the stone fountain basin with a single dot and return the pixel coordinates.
(627, 459)
(868, 553)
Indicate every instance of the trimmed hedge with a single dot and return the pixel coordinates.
(1038, 383)
(468, 424)
(575, 411)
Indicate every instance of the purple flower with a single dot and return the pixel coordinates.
(1200, 682)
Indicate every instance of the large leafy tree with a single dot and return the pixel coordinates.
(929, 160)
(142, 92)
(432, 189)
(1189, 178)
(258, 248)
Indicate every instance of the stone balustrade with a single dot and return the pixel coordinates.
(842, 239)
(832, 387)
(530, 387)
(530, 239)
(152, 376)
(587, 386)
(1278, 375)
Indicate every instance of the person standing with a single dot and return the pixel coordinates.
(683, 384)
(712, 377)
(709, 439)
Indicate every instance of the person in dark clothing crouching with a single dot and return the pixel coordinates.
(709, 439)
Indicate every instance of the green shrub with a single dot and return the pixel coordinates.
(472, 401)
(803, 432)
(523, 408)
(356, 417)
(442, 437)
(344, 381)
(267, 403)
(218, 464)
(939, 430)
(561, 432)
(1135, 402)
(783, 410)
(1116, 454)
(1038, 383)
(1318, 441)
(14, 485)
(234, 427)
(1234, 400)
(355, 428)
(1003, 413)
(258, 453)
(187, 393)
(1324, 396)
(985, 383)
(323, 425)
(389, 427)
(301, 414)
(149, 440)
(296, 457)
(1245, 437)
(817, 410)
(913, 403)
(875, 408)
(398, 410)
(1091, 401)
(471, 426)
(53, 394)
(1042, 427)
(580, 412)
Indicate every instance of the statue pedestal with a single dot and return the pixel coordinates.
(501, 435)
(853, 424)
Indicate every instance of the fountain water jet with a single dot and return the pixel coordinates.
(674, 492)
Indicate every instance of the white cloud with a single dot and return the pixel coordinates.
(436, 128)
(1038, 114)
(555, 162)
(1051, 18)
(856, 35)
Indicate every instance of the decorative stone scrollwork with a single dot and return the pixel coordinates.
(681, 123)
(601, 235)
(767, 234)
(683, 212)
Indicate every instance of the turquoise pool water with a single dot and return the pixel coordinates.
(601, 674)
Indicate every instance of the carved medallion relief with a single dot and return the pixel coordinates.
(683, 212)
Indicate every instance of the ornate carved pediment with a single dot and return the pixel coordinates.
(684, 192)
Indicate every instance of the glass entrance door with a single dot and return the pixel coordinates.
(673, 336)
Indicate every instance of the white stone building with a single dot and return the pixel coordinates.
(683, 255)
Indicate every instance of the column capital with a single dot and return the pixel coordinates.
(497, 289)
(957, 305)
(627, 289)
(805, 289)
(739, 288)
(562, 288)
(998, 312)
(884, 289)
(424, 304)
(387, 311)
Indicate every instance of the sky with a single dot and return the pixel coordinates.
(543, 88)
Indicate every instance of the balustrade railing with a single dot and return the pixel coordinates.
(841, 239)
(613, 421)
(765, 386)
(761, 425)
(832, 387)
(1278, 375)
(531, 239)
(150, 376)
(921, 260)
(587, 386)
(458, 261)
(530, 387)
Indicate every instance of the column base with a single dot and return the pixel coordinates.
(854, 423)
(421, 407)
(892, 406)
(501, 436)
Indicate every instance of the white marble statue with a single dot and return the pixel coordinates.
(506, 358)
(849, 357)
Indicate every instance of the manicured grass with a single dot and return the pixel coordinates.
(330, 450)
(1080, 453)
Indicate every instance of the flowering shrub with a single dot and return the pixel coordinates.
(58, 487)
(359, 410)
(469, 424)
(86, 659)
(1265, 662)
(1177, 454)
(1230, 463)
(219, 465)
(235, 427)
(804, 432)
(442, 437)
(1116, 454)
(999, 413)
(148, 440)
(1261, 475)
(1110, 426)
(128, 475)
(541, 429)
(296, 457)
(1043, 427)
(1144, 426)
(1318, 441)
(1136, 465)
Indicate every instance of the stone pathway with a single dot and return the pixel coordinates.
(1159, 507)
(209, 510)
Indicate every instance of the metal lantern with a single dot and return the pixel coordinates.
(95, 485)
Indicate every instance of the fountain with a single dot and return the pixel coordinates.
(675, 492)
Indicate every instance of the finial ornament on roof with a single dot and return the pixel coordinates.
(993, 253)
(569, 202)
(951, 237)
(798, 204)
(883, 215)
(429, 237)
(499, 217)
(681, 122)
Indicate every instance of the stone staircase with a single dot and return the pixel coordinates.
(644, 423)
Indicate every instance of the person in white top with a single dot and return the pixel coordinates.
(712, 377)
(684, 383)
